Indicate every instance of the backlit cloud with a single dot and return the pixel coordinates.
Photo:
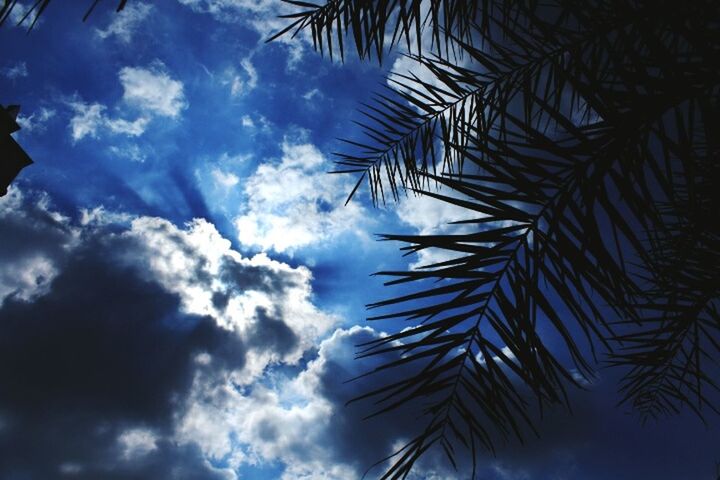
(185, 308)
(152, 90)
(295, 203)
(261, 16)
(147, 90)
(125, 23)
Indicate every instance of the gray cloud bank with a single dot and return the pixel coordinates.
(131, 348)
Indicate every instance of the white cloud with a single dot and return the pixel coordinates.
(182, 261)
(216, 284)
(508, 473)
(259, 123)
(90, 118)
(290, 423)
(37, 239)
(295, 203)
(125, 23)
(261, 16)
(312, 94)
(133, 129)
(241, 82)
(152, 90)
(428, 215)
(131, 152)
(225, 180)
(100, 216)
(137, 442)
(18, 15)
(16, 71)
(37, 121)
(87, 120)
(247, 121)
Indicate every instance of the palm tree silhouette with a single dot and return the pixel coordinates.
(38, 7)
(579, 138)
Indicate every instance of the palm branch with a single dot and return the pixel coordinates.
(38, 7)
(579, 138)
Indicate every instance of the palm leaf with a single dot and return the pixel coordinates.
(567, 131)
(39, 7)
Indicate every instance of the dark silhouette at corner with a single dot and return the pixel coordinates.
(12, 157)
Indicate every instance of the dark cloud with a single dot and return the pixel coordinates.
(34, 245)
(107, 347)
(353, 439)
(33, 229)
(103, 350)
(134, 320)
(597, 440)
(239, 277)
(270, 333)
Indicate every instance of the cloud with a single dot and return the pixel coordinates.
(259, 15)
(137, 442)
(152, 349)
(131, 128)
(131, 152)
(313, 94)
(16, 71)
(37, 121)
(82, 365)
(19, 16)
(36, 243)
(89, 119)
(295, 203)
(152, 90)
(247, 121)
(429, 216)
(223, 179)
(260, 123)
(241, 82)
(265, 302)
(156, 350)
(100, 356)
(124, 24)
(301, 422)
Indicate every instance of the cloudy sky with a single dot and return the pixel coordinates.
(181, 287)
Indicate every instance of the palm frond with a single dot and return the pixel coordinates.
(537, 66)
(673, 351)
(368, 24)
(566, 137)
(36, 9)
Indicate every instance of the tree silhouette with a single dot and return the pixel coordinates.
(581, 138)
(37, 8)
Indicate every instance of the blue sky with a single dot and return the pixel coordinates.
(181, 288)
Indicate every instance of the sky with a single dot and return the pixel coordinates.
(182, 288)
